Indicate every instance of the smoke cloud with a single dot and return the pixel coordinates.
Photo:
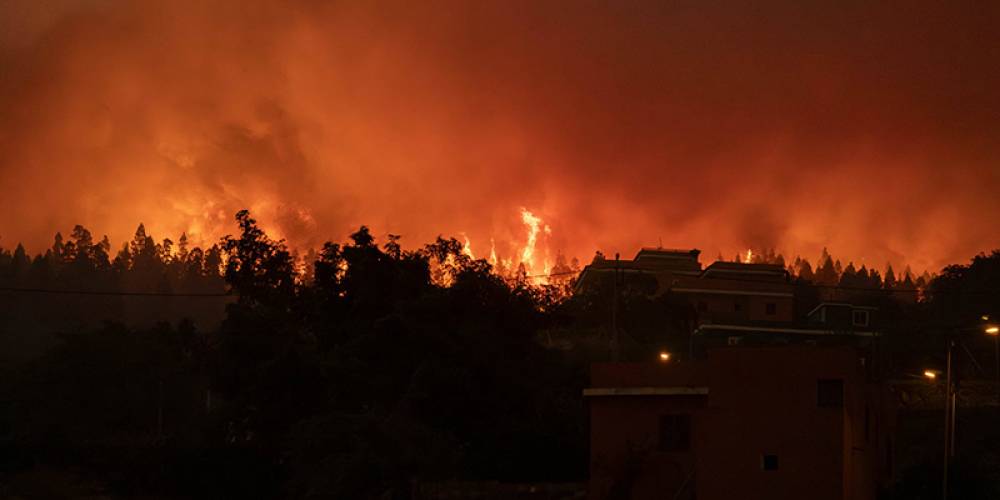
(870, 130)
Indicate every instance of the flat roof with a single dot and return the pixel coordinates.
(771, 329)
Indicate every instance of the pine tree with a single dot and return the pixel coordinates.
(890, 278)
(58, 248)
(182, 248)
(804, 271)
(863, 277)
(874, 279)
(827, 274)
(20, 263)
(849, 278)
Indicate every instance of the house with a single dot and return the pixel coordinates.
(659, 264)
(826, 324)
(734, 303)
(769, 423)
(730, 291)
(842, 316)
(737, 292)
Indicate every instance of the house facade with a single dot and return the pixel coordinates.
(743, 422)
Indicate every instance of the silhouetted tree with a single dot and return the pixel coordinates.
(889, 282)
(258, 268)
(827, 274)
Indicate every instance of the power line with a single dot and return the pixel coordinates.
(111, 293)
(531, 276)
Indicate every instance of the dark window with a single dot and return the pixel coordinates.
(702, 306)
(867, 425)
(737, 307)
(770, 308)
(830, 393)
(769, 462)
(675, 432)
(860, 318)
(888, 456)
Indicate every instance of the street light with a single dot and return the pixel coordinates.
(664, 356)
(949, 419)
(994, 331)
(950, 390)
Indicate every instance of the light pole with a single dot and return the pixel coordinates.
(615, 341)
(949, 421)
(950, 399)
(994, 331)
(949, 415)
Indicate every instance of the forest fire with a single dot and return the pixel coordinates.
(499, 248)
(523, 260)
(317, 125)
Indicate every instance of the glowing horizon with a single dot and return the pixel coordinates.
(720, 128)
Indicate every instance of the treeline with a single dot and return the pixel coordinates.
(832, 272)
(371, 370)
(353, 384)
(140, 265)
(80, 282)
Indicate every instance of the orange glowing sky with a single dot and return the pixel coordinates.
(871, 130)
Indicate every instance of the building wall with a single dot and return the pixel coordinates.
(760, 401)
(625, 461)
(764, 401)
(734, 308)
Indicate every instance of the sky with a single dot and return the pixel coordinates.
(871, 130)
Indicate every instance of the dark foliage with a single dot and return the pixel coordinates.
(359, 371)
(351, 385)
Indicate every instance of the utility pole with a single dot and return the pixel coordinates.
(615, 355)
(951, 393)
(949, 421)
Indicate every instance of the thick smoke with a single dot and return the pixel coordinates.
(867, 129)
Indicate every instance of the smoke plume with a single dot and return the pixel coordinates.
(868, 129)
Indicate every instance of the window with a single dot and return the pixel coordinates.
(888, 456)
(675, 432)
(734, 340)
(867, 425)
(737, 307)
(702, 306)
(859, 318)
(830, 393)
(769, 462)
(770, 308)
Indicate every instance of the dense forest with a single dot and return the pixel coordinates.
(245, 371)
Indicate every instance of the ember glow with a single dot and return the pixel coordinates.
(862, 128)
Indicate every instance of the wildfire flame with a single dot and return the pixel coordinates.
(749, 258)
(467, 247)
(526, 256)
(535, 224)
